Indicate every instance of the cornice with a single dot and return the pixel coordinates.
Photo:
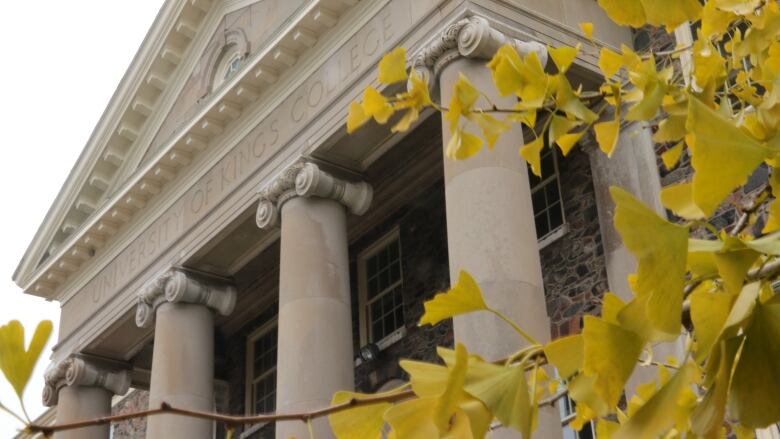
(76, 371)
(222, 109)
(178, 286)
(303, 179)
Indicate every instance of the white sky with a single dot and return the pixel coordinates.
(61, 62)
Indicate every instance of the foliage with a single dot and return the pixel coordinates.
(717, 101)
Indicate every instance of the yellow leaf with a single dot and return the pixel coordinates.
(505, 392)
(671, 13)
(671, 156)
(448, 400)
(733, 266)
(531, 152)
(582, 389)
(427, 379)
(741, 7)
(505, 68)
(416, 95)
(671, 129)
(360, 422)
(719, 141)
(659, 414)
(392, 67)
(567, 141)
(464, 97)
(567, 101)
(754, 399)
(660, 248)
(610, 354)
(605, 429)
(413, 419)
(463, 145)
(406, 121)
(707, 417)
(560, 126)
(679, 199)
(563, 56)
(464, 297)
(610, 307)
(491, 127)
(709, 67)
(715, 21)
(609, 62)
(709, 311)
(587, 29)
(565, 354)
(16, 362)
(647, 107)
(356, 117)
(625, 12)
(607, 135)
(376, 105)
(773, 220)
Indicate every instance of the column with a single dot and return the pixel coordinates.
(490, 221)
(181, 308)
(81, 391)
(314, 353)
(634, 168)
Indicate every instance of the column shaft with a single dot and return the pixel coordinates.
(315, 356)
(78, 403)
(182, 370)
(491, 234)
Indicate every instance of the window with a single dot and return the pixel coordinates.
(566, 407)
(380, 286)
(261, 369)
(229, 64)
(546, 196)
(232, 66)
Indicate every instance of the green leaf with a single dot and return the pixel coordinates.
(754, 398)
(660, 248)
(464, 297)
(17, 363)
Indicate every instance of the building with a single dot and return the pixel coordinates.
(222, 243)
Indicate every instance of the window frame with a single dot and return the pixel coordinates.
(249, 379)
(554, 233)
(226, 60)
(363, 303)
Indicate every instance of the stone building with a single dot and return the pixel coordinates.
(223, 244)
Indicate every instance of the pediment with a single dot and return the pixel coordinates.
(175, 85)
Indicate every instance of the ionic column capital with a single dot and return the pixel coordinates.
(177, 286)
(308, 180)
(75, 371)
(472, 37)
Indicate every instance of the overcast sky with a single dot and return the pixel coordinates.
(61, 62)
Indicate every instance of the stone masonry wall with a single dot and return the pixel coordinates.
(135, 401)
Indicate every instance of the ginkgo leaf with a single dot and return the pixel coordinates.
(671, 156)
(376, 105)
(625, 12)
(505, 391)
(754, 398)
(587, 29)
(413, 419)
(464, 297)
(679, 199)
(707, 417)
(734, 265)
(715, 21)
(406, 121)
(611, 305)
(609, 62)
(671, 13)
(491, 127)
(773, 220)
(356, 117)
(659, 414)
(392, 67)
(566, 354)
(709, 311)
(464, 96)
(559, 127)
(505, 66)
(16, 362)
(532, 153)
(563, 56)
(567, 101)
(607, 135)
(363, 421)
(671, 129)
(605, 429)
(660, 248)
(427, 379)
(567, 141)
(719, 141)
(610, 354)
(463, 145)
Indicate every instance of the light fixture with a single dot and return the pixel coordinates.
(369, 352)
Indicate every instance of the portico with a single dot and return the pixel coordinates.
(251, 248)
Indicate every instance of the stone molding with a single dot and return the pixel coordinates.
(472, 37)
(177, 286)
(75, 371)
(304, 179)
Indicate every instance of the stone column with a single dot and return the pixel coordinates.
(490, 221)
(314, 352)
(180, 306)
(83, 391)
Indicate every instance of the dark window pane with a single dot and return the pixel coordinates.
(552, 192)
(372, 287)
(393, 248)
(556, 216)
(395, 271)
(548, 166)
(538, 201)
(541, 225)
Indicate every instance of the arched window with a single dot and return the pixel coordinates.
(227, 66)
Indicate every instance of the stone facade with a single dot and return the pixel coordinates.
(135, 401)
